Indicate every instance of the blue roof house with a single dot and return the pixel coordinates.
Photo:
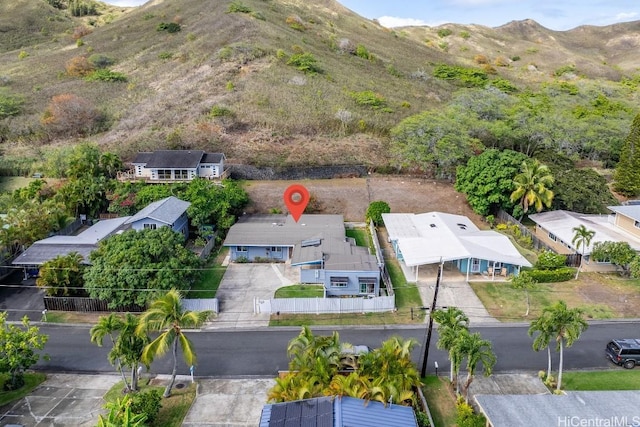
(169, 212)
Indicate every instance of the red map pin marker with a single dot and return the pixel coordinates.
(296, 197)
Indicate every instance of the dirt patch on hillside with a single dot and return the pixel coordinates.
(351, 196)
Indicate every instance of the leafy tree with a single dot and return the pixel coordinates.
(433, 142)
(126, 268)
(525, 283)
(62, 275)
(19, 349)
(582, 238)
(212, 203)
(617, 253)
(569, 188)
(450, 322)
(532, 186)
(487, 180)
(566, 325)
(375, 211)
(167, 316)
(108, 326)
(542, 326)
(85, 194)
(627, 174)
(476, 351)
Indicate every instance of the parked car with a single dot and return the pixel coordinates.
(624, 352)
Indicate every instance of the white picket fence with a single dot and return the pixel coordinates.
(324, 305)
(201, 304)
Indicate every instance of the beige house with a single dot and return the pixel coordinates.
(556, 229)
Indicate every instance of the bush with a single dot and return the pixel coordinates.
(444, 32)
(10, 105)
(468, 77)
(504, 85)
(219, 111)
(81, 31)
(79, 66)
(295, 22)
(362, 52)
(369, 98)
(100, 61)
(548, 260)
(104, 75)
(238, 7)
(375, 211)
(422, 419)
(466, 417)
(147, 402)
(552, 276)
(465, 34)
(170, 27)
(305, 62)
(564, 69)
(480, 59)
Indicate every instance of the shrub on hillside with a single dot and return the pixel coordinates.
(104, 75)
(100, 61)
(170, 27)
(238, 7)
(363, 52)
(79, 66)
(305, 62)
(469, 77)
(81, 31)
(369, 98)
(10, 105)
(69, 114)
(481, 59)
(295, 22)
(444, 32)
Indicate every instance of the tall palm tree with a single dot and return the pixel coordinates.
(542, 326)
(450, 322)
(582, 237)
(532, 186)
(476, 350)
(106, 326)
(167, 315)
(129, 347)
(566, 326)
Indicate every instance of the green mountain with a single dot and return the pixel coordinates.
(276, 82)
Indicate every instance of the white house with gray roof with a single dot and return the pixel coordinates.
(168, 212)
(436, 237)
(316, 243)
(177, 165)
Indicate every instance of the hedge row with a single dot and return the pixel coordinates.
(551, 276)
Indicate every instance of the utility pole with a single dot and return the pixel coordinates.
(423, 371)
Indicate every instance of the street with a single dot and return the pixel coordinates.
(262, 352)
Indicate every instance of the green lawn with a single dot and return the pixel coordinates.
(440, 399)
(31, 381)
(614, 379)
(211, 277)
(361, 236)
(300, 291)
(174, 408)
(11, 183)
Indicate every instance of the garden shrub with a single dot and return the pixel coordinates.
(549, 260)
(147, 402)
(170, 27)
(551, 276)
(466, 417)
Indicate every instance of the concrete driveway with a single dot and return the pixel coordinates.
(20, 298)
(241, 285)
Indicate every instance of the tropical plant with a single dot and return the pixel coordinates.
(582, 237)
(617, 253)
(532, 187)
(542, 326)
(108, 326)
(20, 348)
(62, 275)
(566, 325)
(375, 211)
(128, 347)
(451, 321)
(167, 315)
(476, 350)
(121, 415)
(526, 283)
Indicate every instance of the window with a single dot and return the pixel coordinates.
(553, 237)
(241, 249)
(367, 285)
(275, 249)
(637, 224)
(150, 226)
(182, 174)
(164, 173)
(339, 282)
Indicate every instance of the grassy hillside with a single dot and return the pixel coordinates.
(229, 80)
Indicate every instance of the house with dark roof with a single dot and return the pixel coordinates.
(334, 411)
(316, 243)
(168, 212)
(177, 165)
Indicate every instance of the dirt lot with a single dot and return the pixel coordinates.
(351, 196)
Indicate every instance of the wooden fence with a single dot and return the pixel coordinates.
(573, 260)
(324, 305)
(384, 274)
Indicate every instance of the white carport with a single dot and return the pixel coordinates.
(437, 237)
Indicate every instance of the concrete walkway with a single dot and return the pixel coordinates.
(454, 291)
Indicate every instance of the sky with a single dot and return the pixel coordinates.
(556, 15)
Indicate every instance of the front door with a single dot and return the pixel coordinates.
(475, 265)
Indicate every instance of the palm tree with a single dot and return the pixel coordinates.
(475, 350)
(541, 341)
(524, 282)
(129, 347)
(582, 237)
(107, 325)
(566, 325)
(450, 322)
(167, 315)
(532, 186)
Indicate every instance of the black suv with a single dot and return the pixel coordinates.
(624, 352)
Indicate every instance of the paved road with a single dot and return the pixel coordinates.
(262, 352)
